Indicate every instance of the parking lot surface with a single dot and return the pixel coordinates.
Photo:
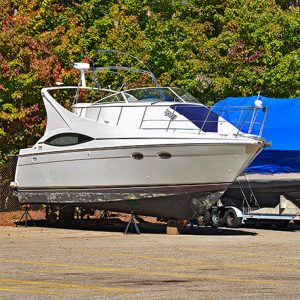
(51, 263)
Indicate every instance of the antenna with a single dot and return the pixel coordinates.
(82, 67)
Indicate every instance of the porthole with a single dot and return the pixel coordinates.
(137, 155)
(67, 139)
(164, 155)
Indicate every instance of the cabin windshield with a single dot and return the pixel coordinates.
(158, 94)
(117, 97)
(149, 95)
(185, 96)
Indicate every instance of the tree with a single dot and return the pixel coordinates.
(214, 49)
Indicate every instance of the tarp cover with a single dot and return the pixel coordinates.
(282, 129)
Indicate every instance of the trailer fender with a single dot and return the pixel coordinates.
(238, 212)
(232, 219)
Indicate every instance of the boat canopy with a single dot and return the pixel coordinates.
(281, 129)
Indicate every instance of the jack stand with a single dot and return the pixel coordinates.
(192, 223)
(132, 223)
(27, 216)
(105, 218)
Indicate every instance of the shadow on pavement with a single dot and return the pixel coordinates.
(291, 227)
(145, 227)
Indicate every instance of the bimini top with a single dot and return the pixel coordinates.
(281, 129)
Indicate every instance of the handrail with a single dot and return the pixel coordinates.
(243, 124)
(206, 118)
(143, 116)
(263, 122)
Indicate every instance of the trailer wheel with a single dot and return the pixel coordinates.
(207, 217)
(204, 219)
(217, 218)
(231, 219)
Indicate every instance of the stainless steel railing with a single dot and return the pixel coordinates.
(248, 119)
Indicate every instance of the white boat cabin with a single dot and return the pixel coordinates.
(161, 108)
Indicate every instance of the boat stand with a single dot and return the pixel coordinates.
(191, 224)
(105, 219)
(132, 223)
(27, 217)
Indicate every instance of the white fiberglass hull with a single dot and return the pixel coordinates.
(115, 168)
(110, 177)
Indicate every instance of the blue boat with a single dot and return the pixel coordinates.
(276, 170)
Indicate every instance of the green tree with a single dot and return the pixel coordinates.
(212, 48)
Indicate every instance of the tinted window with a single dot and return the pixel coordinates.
(68, 139)
(185, 95)
(151, 95)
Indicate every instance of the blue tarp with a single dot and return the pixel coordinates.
(282, 129)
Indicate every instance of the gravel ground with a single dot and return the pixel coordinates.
(12, 217)
(52, 263)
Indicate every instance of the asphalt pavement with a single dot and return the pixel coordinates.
(54, 263)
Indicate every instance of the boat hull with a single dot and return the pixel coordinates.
(267, 189)
(185, 185)
(164, 202)
(188, 164)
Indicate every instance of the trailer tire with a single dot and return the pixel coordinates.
(231, 219)
(207, 217)
(204, 219)
(217, 218)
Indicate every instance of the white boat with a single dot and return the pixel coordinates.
(153, 151)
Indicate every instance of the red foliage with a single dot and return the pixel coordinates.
(253, 56)
(57, 72)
